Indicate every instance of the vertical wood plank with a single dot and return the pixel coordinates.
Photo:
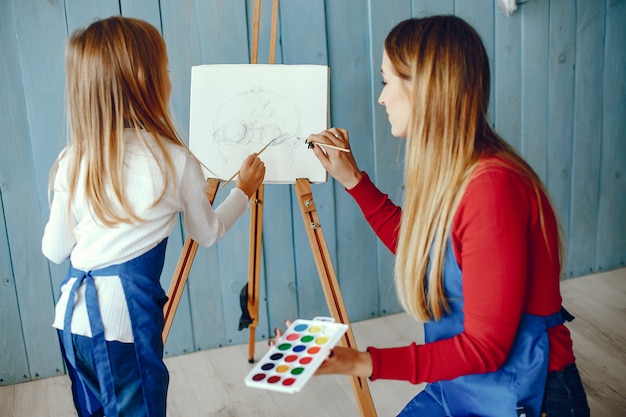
(421, 8)
(13, 360)
(223, 32)
(81, 13)
(221, 270)
(351, 108)
(562, 37)
(293, 285)
(388, 150)
(587, 133)
(534, 134)
(147, 10)
(611, 230)
(179, 30)
(35, 123)
(507, 78)
(41, 34)
(233, 250)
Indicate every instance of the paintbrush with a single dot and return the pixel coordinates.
(326, 145)
(258, 153)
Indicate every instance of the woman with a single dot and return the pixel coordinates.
(476, 241)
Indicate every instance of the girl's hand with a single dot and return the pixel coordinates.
(346, 361)
(251, 174)
(340, 165)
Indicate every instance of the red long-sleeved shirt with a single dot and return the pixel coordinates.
(500, 247)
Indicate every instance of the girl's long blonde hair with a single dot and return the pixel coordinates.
(117, 78)
(446, 65)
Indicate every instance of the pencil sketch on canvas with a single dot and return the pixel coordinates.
(252, 119)
(238, 109)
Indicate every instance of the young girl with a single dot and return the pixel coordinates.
(477, 242)
(118, 188)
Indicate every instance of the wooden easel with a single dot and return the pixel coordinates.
(319, 248)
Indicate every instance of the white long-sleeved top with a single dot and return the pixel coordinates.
(90, 245)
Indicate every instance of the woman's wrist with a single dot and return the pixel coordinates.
(364, 365)
(352, 181)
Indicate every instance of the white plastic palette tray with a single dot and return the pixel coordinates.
(296, 355)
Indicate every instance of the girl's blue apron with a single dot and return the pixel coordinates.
(145, 298)
(515, 389)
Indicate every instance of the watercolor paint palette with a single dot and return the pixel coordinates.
(296, 355)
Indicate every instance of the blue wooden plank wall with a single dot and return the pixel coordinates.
(558, 96)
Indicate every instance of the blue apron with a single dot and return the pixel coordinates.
(145, 298)
(518, 385)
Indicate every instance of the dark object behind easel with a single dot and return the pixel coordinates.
(245, 320)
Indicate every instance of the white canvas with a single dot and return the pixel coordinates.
(238, 109)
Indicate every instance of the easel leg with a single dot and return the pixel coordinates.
(185, 261)
(330, 286)
(254, 266)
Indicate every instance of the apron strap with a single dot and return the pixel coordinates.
(67, 323)
(100, 352)
(85, 396)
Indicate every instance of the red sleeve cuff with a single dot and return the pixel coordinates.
(364, 190)
(397, 363)
(379, 211)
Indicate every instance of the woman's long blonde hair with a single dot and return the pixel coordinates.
(117, 78)
(446, 65)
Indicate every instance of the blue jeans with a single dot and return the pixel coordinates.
(564, 394)
(126, 377)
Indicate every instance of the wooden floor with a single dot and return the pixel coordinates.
(210, 383)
